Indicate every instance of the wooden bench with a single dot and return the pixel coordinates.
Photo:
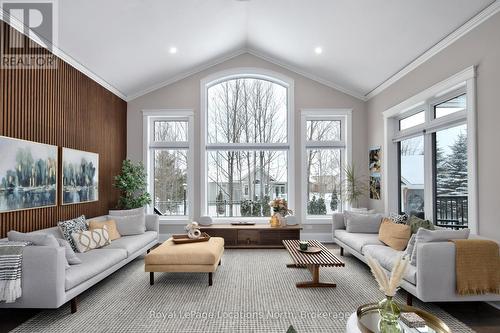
(202, 257)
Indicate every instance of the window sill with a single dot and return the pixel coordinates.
(229, 220)
(172, 220)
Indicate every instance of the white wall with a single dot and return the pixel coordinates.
(479, 47)
(185, 94)
(308, 94)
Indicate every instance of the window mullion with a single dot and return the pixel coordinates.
(428, 177)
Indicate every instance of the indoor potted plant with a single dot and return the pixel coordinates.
(132, 183)
(353, 186)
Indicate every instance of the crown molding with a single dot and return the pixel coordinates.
(441, 45)
(19, 26)
(186, 74)
(310, 76)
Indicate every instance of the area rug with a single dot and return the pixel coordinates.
(253, 291)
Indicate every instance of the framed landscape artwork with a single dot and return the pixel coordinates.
(80, 176)
(28, 175)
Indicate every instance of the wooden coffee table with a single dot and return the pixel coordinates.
(312, 261)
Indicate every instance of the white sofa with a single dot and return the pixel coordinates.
(431, 280)
(46, 283)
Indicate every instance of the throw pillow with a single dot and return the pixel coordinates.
(410, 246)
(127, 212)
(415, 223)
(398, 218)
(39, 239)
(71, 226)
(70, 254)
(362, 223)
(131, 225)
(86, 240)
(427, 236)
(394, 235)
(111, 226)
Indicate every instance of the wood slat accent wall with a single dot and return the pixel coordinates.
(62, 107)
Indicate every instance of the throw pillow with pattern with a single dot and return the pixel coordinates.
(86, 240)
(71, 226)
(398, 218)
(416, 223)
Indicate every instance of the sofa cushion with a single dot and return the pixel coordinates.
(128, 212)
(130, 225)
(394, 234)
(357, 240)
(386, 256)
(363, 223)
(93, 263)
(39, 239)
(68, 252)
(441, 235)
(133, 243)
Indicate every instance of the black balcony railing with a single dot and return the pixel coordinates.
(451, 211)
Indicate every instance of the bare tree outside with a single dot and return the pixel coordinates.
(246, 111)
(170, 169)
(323, 166)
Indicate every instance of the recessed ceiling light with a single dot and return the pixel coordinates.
(318, 50)
(172, 50)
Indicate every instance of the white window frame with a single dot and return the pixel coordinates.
(256, 73)
(460, 83)
(148, 118)
(345, 143)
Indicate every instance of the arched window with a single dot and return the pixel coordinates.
(247, 135)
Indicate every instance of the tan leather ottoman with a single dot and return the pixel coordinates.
(201, 257)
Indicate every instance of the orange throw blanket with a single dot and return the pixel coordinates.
(477, 266)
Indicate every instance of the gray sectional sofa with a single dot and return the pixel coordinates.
(46, 283)
(431, 280)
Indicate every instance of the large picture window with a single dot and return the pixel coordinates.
(247, 146)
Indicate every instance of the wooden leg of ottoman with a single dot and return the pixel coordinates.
(151, 278)
(210, 278)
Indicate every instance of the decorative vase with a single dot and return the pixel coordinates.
(275, 220)
(389, 314)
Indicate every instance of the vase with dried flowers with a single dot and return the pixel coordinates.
(388, 308)
(280, 210)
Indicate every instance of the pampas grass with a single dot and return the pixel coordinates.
(388, 285)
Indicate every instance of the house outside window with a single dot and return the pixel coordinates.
(247, 134)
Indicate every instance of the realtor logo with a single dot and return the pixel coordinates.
(37, 21)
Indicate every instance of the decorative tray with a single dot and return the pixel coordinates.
(242, 223)
(310, 249)
(368, 318)
(184, 239)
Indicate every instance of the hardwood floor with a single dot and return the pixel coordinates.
(480, 316)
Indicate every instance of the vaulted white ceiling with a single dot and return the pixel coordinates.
(126, 42)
